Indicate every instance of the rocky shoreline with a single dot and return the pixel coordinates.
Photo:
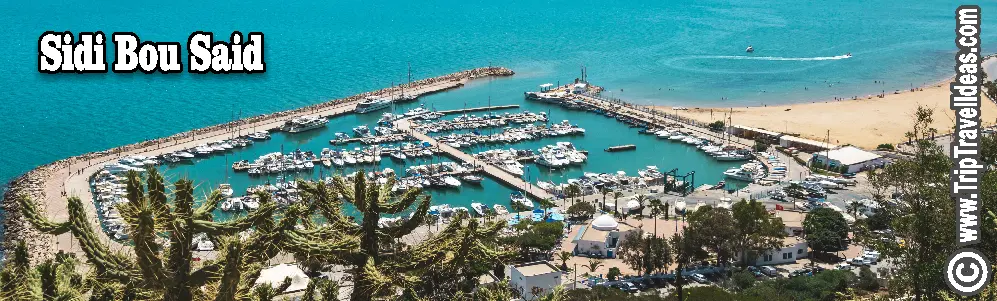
(32, 183)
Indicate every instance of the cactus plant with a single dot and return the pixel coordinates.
(380, 270)
(164, 271)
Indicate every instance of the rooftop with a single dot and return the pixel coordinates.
(756, 130)
(592, 234)
(851, 155)
(807, 141)
(535, 268)
(792, 219)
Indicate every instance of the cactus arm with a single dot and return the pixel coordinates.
(412, 223)
(265, 211)
(38, 220)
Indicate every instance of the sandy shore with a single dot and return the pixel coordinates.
(48, 185)
(865, 122)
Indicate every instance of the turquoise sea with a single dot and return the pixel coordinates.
(688, 53)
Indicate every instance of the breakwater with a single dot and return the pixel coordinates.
(48, 185)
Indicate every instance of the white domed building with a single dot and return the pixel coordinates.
(600, 237)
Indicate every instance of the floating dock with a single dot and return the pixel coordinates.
(492, 171)
(478, 109)
(620, 148)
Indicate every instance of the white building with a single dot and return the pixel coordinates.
(527, 276)
(854, 158)
(793, 248)
(600, 238)
(579, 88)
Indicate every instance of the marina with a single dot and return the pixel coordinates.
(442, 150)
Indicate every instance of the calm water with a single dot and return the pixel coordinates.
(672, 52)
(602, 132)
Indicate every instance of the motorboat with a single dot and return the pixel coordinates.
(520, 198)
(259, 136)
(478, 208)
(512, 167)
(417, 111)
(500, 209)
(304, 123)
(749, 49)
(362, 131)
(451, 181)
(225, 190)
(372, 104)
(472, 179)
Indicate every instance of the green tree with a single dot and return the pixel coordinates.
(714, 230)
(922, 212)
(867, 280)
(716, 126)
(755, 230)
(644, 253)
(581, 209)
(613, 274)
(533, 239)
(760, 146)
(825, 229)
(743, 280)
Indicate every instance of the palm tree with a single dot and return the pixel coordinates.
(563, 256)
(656, 208)
(616, 201)
(594, 264)
(572, 191)
(546, 204)
(605, 191)
(854, 208)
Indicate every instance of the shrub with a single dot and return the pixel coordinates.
(885, 147)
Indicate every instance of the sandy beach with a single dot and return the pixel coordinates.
(865, 122)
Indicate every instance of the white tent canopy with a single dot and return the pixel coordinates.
(275, 276)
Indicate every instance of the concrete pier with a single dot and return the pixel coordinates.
(531, 191)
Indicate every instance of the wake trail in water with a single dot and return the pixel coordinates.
(774, 58)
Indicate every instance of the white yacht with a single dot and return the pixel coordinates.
(417, 111)
(478, 208)
(519, 197)
(226, 190)
(372, 104)
(500, 209)
(511, 166)
(304, 123)
(259, 136)
(451, 181)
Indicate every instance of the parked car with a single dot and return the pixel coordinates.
(755, 271)
(844, 266)
(859, 261)
(800, 272)
(699, 278)
(628, 287)
(769, 271)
